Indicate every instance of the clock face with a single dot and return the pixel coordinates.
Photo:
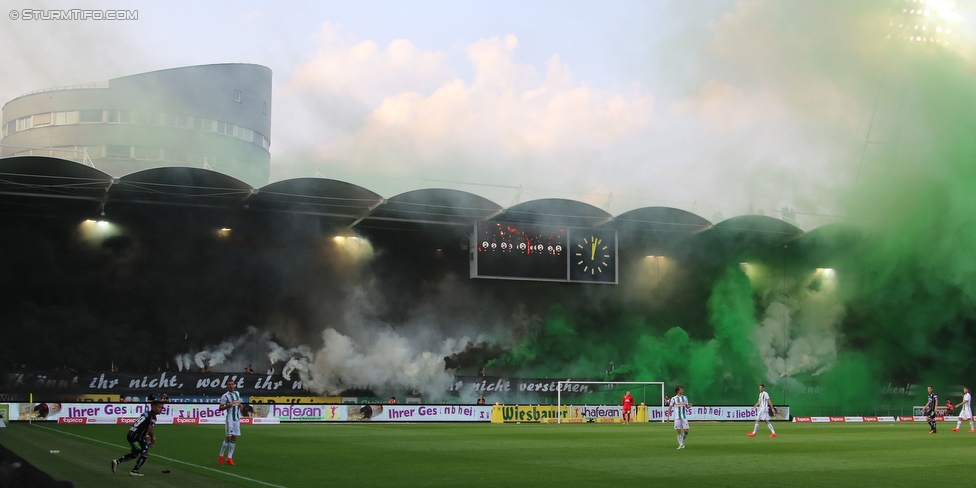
(593, 256)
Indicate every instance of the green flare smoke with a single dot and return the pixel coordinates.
(900, 306)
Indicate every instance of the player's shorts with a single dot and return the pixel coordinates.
(138, 445)
(680, 424)
(232, 427)
(966, 415)
(763, 416)
(626, 409)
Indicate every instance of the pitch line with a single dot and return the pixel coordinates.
(165, 458)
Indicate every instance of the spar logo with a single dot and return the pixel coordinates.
(72, 420)
(126, 420)
(837, 419)
(803, 419)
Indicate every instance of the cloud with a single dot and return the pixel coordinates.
(508, 124)
(344, 66)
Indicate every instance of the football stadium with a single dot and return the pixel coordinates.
(177, 313)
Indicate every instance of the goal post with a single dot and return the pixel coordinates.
(645, 394)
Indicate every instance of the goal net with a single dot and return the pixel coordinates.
(650, 393)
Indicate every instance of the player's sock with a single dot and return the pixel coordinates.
(223, 447)
(680, 440)
(771, 429)
(230, 451)
(139, 463)
(971, 425)
(958, 424)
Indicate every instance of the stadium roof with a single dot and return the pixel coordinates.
(557, 211)
(53, 186)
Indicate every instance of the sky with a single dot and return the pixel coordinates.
(722, 108)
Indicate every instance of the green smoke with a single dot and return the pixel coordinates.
(898, 304)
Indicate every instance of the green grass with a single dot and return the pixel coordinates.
(450, 455)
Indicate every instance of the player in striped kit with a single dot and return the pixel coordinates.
(680, 404)
(231, 402)
(765, 407)
(965, 410)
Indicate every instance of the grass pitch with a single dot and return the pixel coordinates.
(450, 455)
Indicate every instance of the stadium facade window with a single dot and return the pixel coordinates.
(176, 154)
(237, 96)
(95, 151)
(118, 152)
(42, 119)
(64, 152)
(264, 108)
(135, 117)
(148, 153)
(89, 116)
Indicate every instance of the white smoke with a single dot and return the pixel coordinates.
(296, 360)
(228, 354)
(798, 332)
(389, 361)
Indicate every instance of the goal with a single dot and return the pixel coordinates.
(650, 393)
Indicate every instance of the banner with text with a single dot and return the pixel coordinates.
(256, 413)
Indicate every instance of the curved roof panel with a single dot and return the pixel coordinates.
(760, 224)
(738, 237)
(557, 211)
(660, 220)
(42, 176)
(315, 196)
(181, 185)
(436, 206)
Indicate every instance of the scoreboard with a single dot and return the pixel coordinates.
(520, 251)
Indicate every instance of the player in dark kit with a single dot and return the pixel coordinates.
(140, 438)
(930, 408)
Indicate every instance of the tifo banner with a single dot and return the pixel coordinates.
(173, 384)
(180, 383)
